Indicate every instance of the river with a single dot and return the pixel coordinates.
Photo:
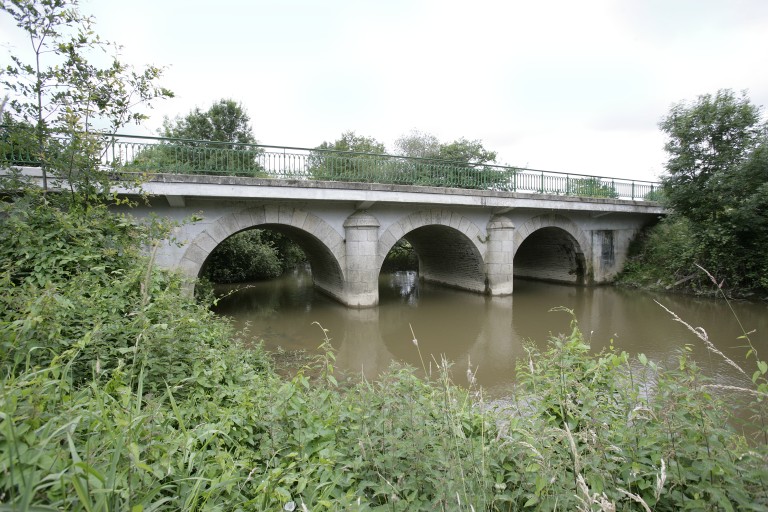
(487, 334)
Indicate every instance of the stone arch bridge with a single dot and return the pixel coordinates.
(475, 240)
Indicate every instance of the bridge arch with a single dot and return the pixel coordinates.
(552, 248)
(449, 245)
(322, 245)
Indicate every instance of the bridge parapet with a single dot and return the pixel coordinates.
(141, 154)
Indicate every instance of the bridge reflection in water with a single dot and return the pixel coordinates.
(485, 333)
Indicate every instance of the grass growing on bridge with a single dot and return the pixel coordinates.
(118, 393)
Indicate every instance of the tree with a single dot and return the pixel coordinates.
(706, 139)
(467, 151)
(70, 101)
(218, 140)
(243, 257)
(591, 187)
(225, 121)
(717, 187)
(459, 163)
(352, 142)
(252, 255)
(352, 157)
(418, 144)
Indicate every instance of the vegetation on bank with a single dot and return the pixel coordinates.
(120, 393)
(717, 190)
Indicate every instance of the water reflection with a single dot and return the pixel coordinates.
(402, 285)
(487, 333)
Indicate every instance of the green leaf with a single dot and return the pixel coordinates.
(531, 502)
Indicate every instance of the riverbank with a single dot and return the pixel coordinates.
(641, 276)
(120, 393)
(671, 257)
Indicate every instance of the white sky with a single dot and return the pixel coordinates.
(559, 85)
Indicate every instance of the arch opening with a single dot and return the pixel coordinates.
(550, 254)
(254, 254)
(446, 256)
(324, 268)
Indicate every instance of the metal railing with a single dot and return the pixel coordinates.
(130, 153)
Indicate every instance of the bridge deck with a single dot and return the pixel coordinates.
(180, 186)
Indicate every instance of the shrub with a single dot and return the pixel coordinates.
(75, 279)
(252, 255)
(605, 432)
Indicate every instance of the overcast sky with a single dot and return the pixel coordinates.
(559, 85)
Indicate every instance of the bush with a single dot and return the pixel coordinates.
(76, 279)
(252, 255)
(605, 432)
(666, 257)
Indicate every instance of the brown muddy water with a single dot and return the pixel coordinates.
(487, 334)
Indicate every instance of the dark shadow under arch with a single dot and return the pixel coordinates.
(551, 254)
(448, 257)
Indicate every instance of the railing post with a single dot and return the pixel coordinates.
(633, 190)
(541, 190)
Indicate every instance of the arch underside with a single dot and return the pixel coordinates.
(551, 254)
(447, 244)
(326, 273)
(447, 257)
(322, 246)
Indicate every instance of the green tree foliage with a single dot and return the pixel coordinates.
(225, 121)
(401, 256)
(61, 89)
(716, 186)
(352, 156)
(462, 162)
(290, 253)
(418, 144)
(252, 255)
(218, 140)
(467, 151)
(591, 187)
(352, 142)
(708, 141)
